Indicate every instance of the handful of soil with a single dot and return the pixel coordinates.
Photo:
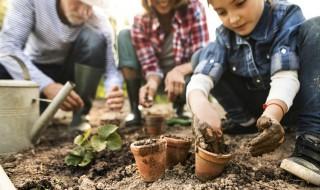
(207, 140)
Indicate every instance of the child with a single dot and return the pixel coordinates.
(264, 61)
(159, 46)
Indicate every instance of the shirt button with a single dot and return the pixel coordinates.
(283, 51)
(234, 68)
(258, 80)
(268, 56)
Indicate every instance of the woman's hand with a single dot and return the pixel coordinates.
(148, 91)
(115, 98)
(174, 84)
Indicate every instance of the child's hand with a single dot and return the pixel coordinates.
(204, 133)
(205, 116)
(272, 136)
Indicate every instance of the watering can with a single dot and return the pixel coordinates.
(20, 120)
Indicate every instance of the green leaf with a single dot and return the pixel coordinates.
(88, 157)
(107, 130)
(78, 151)
(80, 139)
(98, 143)
(114, 141)
(72, 160)
(179, 121)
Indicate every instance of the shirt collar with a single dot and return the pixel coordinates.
(260, 31)
(177, 18)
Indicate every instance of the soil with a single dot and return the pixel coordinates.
(43, 167)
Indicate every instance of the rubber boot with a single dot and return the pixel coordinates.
(133, 87)
(86, 79)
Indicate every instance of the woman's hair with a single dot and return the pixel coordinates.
(178, 3)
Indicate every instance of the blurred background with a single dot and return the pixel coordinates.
(124, 10)
(121, 13)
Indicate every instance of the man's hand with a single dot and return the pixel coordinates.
(272, 136)
(72, 102)
(174, 84)
(115, 98)
(148, 91)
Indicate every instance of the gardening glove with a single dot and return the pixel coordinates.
(271, 137)
(206, 138)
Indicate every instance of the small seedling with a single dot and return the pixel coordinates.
(87, 145)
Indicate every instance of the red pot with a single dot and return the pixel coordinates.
(150, 158)
(177, 149)
(154, 125)
(209, 165)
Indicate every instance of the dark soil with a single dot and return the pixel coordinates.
(145, 142)
(43, 167)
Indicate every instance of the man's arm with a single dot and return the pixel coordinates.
(112, 76)
(18, 24)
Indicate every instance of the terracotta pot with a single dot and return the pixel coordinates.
(177, 149)
(154, 125)
(150, 157)
(209, 165)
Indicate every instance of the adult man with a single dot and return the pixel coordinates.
(62, 40)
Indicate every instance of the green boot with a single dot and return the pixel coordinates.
(133, 120)
(86, 79)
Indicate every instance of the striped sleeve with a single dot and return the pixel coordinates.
(112, 75)
(18, 24)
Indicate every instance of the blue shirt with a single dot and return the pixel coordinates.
(270, 47)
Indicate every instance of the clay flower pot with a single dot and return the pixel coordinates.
(209, 165)
(154, 125)
(177, 149)
(150, 157)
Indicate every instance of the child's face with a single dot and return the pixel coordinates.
(240, 16)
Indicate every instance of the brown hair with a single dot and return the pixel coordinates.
(177, 4)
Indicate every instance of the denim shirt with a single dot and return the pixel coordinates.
(270, 47)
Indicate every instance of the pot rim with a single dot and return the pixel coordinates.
(177, 142)
(210, 155)
(143, 150)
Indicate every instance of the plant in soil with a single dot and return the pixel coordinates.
(88, 144)
(212, 153)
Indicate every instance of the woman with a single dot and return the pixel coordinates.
(159, 47)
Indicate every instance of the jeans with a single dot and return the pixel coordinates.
(88, 49)
(242, 98)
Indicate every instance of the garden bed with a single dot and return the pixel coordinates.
(43, 166)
